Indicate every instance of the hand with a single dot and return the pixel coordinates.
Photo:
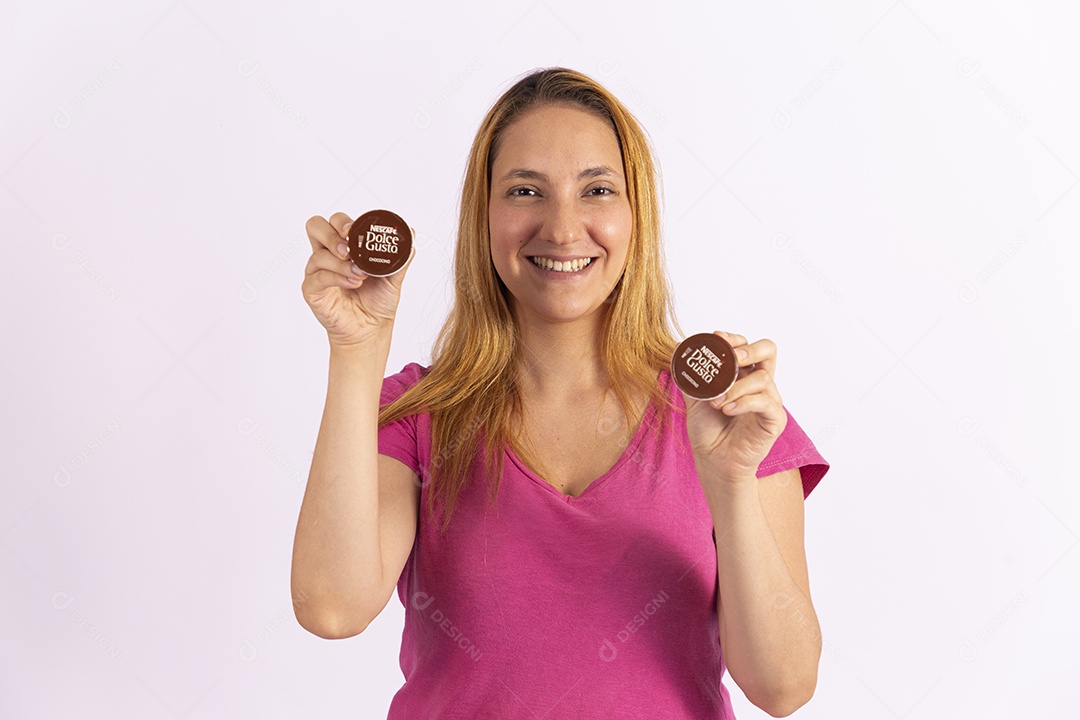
(352, 306)
(730, 443)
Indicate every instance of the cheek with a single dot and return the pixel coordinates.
(507, 227)
(617, 230)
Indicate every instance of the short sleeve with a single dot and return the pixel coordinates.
(794, 449)
(399, 438)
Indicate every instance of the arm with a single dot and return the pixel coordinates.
(769, 632)
(337, 552)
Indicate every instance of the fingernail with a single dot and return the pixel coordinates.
(742, 354)
(356, 270)
(721, 398)
(342, 249)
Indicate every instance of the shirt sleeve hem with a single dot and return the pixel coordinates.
(812, 468)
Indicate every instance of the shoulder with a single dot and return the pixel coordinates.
(395, 385)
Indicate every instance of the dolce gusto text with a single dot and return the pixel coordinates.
(381, 238)
(705, 363)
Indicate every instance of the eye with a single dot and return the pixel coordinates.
(600, 191)
(521, 192)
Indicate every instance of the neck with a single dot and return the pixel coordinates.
(562, 360)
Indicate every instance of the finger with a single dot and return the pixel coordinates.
(752, 384)
(399, 277)
(756, 403)
(319, 280)
(733, 339)
(323, 234)
(341, 223)
(321, 259)
(761, 353)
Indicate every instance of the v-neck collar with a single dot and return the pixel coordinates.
(647, 419)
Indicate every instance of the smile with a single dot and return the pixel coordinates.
(561, 265)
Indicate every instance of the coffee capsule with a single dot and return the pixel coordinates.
(380, 242)
(704, 366)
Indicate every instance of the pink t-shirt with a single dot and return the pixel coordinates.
(551, 606)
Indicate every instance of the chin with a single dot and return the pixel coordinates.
(569, 313)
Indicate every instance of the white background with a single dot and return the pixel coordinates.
(885, 189)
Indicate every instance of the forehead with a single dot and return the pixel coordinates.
(553, 135)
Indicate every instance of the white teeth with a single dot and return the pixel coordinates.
(561, 266)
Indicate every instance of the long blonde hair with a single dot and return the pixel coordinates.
(471, 390)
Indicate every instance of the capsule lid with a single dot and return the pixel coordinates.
(380, 242)
(704, 366)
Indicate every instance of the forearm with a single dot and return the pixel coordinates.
(337, 562)
(769, 631)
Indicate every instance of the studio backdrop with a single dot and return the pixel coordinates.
(887, 190)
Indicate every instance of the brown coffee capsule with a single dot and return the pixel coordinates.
(704, 366)
(380, 242)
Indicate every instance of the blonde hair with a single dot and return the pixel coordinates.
(471, 390)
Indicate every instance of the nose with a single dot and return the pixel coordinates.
(563, 224)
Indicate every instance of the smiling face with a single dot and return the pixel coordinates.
(559, 217)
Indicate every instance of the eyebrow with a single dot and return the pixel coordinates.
(527, 174)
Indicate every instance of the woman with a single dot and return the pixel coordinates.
(569, 535)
